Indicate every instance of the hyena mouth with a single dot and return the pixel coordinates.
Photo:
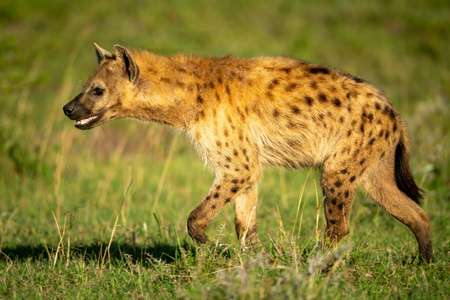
(85, 123)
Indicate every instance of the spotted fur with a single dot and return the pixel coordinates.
(244, 114)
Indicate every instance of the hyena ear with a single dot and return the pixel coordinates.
(101, 53)
(122, 53)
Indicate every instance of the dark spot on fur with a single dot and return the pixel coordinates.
(362, 171)
(336, 102)
(228, 158)
(332, 190)
(332, 222)
(394, 128)
(199, 99)
(216, 195)
(341, 206)
(330, 211)
(338, 183)
(227, 200)
(356, 79)
(234, 189)
(346, 194)
(313, 85)
(389, 111)
(341, 119)
(286, 70)
(179, 84)
(308, 100)
(322, 97)
(272, 84)
(246, 167)
(361, 128)
(352, 178)
(371, 142)
(290, 87)
(234, 181)
(218, 187)
(225, 132)
(295, 109)
(275, 113)
(235, 152)
(377, 106)
(227, 88)
(208, 197)
(319, 70)
(219, 144)
(344, 171)
(366, 117)
(333, 201)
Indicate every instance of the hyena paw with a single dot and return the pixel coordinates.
(196, 232)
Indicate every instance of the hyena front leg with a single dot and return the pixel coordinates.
(245, 216)
(200, 217)
(240, 186)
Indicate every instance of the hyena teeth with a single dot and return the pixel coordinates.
(85, 121)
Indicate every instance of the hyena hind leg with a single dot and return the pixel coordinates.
(382, 187)
(339, 191)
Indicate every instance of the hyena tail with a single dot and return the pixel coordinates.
(403, 173)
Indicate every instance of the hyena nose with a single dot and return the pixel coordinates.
(68, 110)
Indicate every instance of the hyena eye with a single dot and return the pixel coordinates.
(98, 91)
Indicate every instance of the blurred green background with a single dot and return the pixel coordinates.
(51, 173)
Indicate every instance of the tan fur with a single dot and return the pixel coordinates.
(243, 114)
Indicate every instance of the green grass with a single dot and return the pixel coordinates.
(70, 229)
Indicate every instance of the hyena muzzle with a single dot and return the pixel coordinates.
(243, 114)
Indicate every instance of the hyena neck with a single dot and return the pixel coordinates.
(168, 89)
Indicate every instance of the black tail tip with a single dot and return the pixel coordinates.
(403, 175)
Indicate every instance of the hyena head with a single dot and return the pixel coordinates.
(101, 99)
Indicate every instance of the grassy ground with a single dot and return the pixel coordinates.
(102, 213)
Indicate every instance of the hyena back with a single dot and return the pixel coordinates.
(243, 114)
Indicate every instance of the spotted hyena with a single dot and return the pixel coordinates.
(243, 114)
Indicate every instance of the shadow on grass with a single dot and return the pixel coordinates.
(117, 252)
